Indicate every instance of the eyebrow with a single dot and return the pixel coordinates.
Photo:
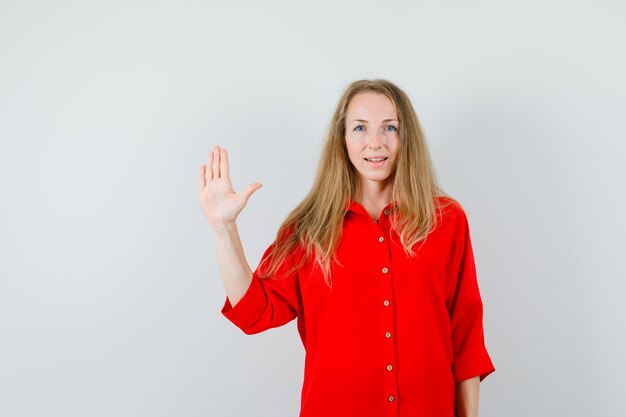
(365, 121)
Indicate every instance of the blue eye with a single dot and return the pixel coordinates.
(357, 127)
(394, 129)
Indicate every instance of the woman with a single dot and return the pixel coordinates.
(376, 264)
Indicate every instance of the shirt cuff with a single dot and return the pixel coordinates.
(249, 308)
(475, 362)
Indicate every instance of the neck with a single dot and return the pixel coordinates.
(374, 194)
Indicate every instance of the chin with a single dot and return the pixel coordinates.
(377, 178)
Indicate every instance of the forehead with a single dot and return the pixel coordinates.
(369, 105)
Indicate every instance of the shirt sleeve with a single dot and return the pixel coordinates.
(471, 358)
(268, 302)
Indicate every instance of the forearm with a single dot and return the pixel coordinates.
(466, 398)
(234, 269)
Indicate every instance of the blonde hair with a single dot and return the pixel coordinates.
(315, 225)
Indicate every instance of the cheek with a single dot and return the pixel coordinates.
(354, 156)
(396, 146)
(353, 150)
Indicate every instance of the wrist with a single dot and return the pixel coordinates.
(224, 227)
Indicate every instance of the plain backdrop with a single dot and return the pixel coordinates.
(110, 294)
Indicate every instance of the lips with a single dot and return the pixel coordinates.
(376, 164)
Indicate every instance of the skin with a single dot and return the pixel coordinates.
(372, 129)
(221, 205)
(466, 397)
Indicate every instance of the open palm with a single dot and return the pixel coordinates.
(220, 203)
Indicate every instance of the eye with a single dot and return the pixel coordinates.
(357, 128)
(393, 128)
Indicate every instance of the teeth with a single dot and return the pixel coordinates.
(376, 159)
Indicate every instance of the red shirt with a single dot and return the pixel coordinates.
(395, 333)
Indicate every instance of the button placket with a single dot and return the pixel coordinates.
(388, 321)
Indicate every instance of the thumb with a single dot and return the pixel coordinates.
(250, 189)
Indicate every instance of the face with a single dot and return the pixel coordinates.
(372, 133)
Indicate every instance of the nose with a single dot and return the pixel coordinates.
(375, 139)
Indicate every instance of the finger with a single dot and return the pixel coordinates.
(224, 163)
(209, 168)
(202, 178)
(250, 189)
(216, 162)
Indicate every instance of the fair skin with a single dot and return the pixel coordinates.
(371, 130)
(466, 397)
(221, 205)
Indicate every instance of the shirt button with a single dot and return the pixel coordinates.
(386, 303)
(389, 367)
(385, 270)
(391, 398)
(386, 212)
(388, 335)
(381, 239)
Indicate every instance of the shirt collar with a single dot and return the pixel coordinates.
(354, 206)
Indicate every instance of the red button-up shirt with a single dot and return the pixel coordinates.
(394, 334)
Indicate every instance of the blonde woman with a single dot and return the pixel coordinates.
(376, 265)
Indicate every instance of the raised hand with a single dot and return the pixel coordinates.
(220, 203)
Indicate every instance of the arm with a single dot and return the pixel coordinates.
(221, 206)
(465, 306)
(252, 304)
(267, 302)
(234, 269)
(466, 397)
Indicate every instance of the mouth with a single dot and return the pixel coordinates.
(376, 162)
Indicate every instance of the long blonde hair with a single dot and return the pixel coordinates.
(315, 225)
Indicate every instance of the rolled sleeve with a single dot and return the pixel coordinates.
(268, 302)
(471, 358)
(249, 308)
(472, 363)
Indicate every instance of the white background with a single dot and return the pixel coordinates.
(110, 294)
